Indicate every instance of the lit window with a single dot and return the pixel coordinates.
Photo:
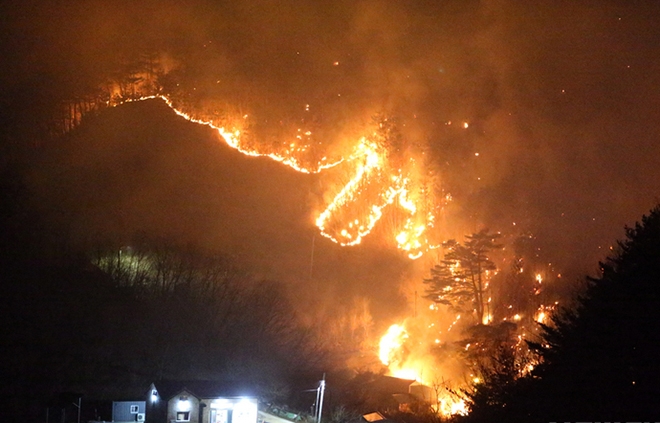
(183, 416)
(134, 409)
(183, 404)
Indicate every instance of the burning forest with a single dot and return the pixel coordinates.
(384, 193)
(380, 175)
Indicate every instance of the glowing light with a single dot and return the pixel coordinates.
(375, 183)
(183, 404)
(540, 317)
(458, 317)
(222, 403)
(543, 312)
(390, 342)
(390, 354)
(410, 374)
(245, 411)
(452, 407)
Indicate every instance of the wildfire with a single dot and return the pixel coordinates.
(392, 353)
(358, 206)
(450, 407)
(544, 311)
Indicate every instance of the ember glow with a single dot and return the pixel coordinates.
(391, 127)
(395, 355)
(357, 207)
(391, 353)
(544, 312)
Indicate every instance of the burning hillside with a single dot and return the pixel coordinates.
(475, 318)
(470, 313)
(374, 184)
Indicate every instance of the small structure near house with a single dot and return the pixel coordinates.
(128, 411)
(389, 393)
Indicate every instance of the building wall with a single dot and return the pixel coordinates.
(121, 410)
(230, 410)
(181, 403)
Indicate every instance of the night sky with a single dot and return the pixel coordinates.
(561, 98)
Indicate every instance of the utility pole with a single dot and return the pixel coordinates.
(320, 391)
(78, 407)
(415, 314)
(311, 264)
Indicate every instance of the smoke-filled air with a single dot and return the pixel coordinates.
(424, 184)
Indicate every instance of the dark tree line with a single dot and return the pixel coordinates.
(74, 324)
(105, 322)
(600, 360)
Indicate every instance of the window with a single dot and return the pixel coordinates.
(134, 409)
(183, 416)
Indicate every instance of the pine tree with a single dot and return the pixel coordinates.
(600, 362)
(460, 280)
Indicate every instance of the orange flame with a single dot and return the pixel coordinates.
(391, 354)
(345, 220)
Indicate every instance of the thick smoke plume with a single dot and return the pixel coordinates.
(536, 119)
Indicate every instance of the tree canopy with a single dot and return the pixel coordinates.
(600, 361)
(460, 280)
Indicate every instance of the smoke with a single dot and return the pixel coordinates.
(560, 102)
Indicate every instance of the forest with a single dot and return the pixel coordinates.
(104, 319)
(267, 193)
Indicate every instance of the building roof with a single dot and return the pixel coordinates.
(204, 388)
(373, 417)
(266, 417)
(389, 385)
(376, 417)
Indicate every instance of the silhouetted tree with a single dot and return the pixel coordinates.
(600, 361)
(489, 398)
(460, 278)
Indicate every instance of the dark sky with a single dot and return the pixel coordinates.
(561, 98)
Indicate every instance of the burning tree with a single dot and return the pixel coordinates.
(601, 357)
(461, 277)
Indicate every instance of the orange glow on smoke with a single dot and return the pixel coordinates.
(392, 354)
(359, 205)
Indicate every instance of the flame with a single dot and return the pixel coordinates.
(390, 342)
(544, 312)
(359, 205)
(451, 407)
(391, 354)
(540, 317)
